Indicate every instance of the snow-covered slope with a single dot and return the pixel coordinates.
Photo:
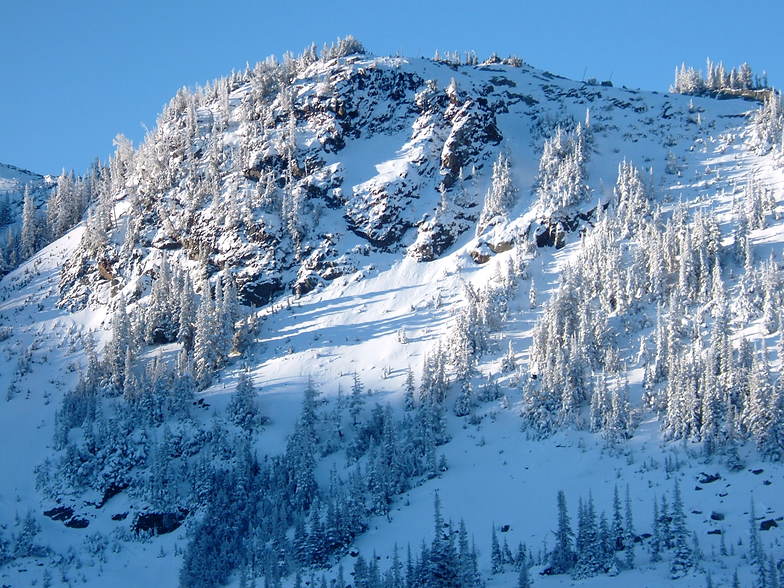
(14, 179)
(13, 182)
(348, 201)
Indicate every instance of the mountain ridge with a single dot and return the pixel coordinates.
(474, 208)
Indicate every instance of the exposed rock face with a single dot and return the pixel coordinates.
(159, 523)
(286, 177)
(59, 513)
(260, 210)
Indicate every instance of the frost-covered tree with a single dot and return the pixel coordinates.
(768, 125)
(119, 347)
(563, 557)
(500, 195)
(409, 401)
(205, 353)
(588, 546)
(242, 409)
(32, 231)
(186, 318)
(682, 559)
(561, 181)
(356, 400)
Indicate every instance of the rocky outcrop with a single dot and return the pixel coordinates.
(156, 523)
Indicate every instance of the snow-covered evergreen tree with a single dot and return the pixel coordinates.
(500, 195)
(242, 409)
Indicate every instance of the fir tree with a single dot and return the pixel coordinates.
(242, 410)
(523, 577)
(562, 557)
(496, 559)
(500, 196)
(682, 560)
(629, 537)
(409, 402)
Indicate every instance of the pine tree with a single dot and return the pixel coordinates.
(656, 538)
(205, 353)
(31, 226)
(561, 181)
(629, 537)
(187, 316)
(356, 401)
(443, 565)
(409, 402)
(756, 555)
(119, 347)
(242, 410)
(508, 363)
(523, 577)
(589, 552)
(500, 195)
(682, 560)
(496, 559)
(562, 557)
(465, 400)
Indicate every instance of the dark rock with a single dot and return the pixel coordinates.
(120, 516)
(696, 512)
(714, 532)
(168, 244)
(113, 490)
(331, 272)
(708, 478)
(258, 293)
(514, 98)
(305, 285)
(768, 524)
(252, 174)
(551, 235)
(77, 523)
(698, 487)
(59, 513)
(435, 237)
(767, 482)
(159, 336)
(500, 247)
(499, 81)
(505, 528)
(717, 516)
(480, 256)
(159, 523)
(757, 472)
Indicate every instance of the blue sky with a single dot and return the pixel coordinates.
(74, 74)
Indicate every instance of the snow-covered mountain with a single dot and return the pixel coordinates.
(13, 181)
(330, 297)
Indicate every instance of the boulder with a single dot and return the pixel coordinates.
(159, 523)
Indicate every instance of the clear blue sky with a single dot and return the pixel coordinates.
(75, 73)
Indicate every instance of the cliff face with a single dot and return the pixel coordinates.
(289, 175)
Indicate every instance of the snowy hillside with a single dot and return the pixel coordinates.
(13, 182)
(13, 179)
(357, 320)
